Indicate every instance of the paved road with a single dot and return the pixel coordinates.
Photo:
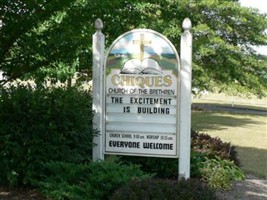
(229, 109)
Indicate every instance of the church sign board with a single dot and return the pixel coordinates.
(141, 95)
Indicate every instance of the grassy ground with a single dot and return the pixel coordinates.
(247, 132)
(235, 101)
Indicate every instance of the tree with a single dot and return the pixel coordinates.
(37, 38)
(55, 39)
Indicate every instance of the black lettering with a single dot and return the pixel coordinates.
(154, 110)
(151, 101)
(163, 146)
(124, 144)
(126, 109)
(116, 100)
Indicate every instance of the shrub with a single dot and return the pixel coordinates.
(202, 145)
(162, 167)
(218, 173)
(196, 164)
(96, 180)
(210, 163)
(41, 125)
(158, 189)
(212, 147)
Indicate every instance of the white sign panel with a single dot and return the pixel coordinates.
(141, 92)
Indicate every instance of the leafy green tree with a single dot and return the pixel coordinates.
(45, 38)
(41, 38)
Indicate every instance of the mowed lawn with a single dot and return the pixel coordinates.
(247, 132)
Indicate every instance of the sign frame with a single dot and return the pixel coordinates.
(143, 54)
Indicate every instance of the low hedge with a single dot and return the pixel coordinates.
(94, 180)
(158, 189)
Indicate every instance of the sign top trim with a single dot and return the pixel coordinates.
(143, 44)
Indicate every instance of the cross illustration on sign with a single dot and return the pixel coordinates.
(142, 42)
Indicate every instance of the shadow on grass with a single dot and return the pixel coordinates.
(253, 160)
(242, 109)
(203, 121)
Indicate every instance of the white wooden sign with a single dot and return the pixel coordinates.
(141, 95)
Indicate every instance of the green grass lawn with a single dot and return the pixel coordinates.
(247, 132)
(236, 101)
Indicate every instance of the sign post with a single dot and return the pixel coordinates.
(98, 88)
(185, 100)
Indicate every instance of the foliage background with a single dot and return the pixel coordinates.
(41, 39)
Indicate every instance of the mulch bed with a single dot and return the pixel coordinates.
(20, 193)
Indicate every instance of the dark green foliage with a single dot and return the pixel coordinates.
(162, 167)
(202, 146)
(212, 147)
(41, 125)
(196, 164)
(212, 160)
(158, 189)
(96, 180)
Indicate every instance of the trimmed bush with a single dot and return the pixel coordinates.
(158, 189)
(212, 147)
(162, 167)
(96, 180)
(39, 125)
